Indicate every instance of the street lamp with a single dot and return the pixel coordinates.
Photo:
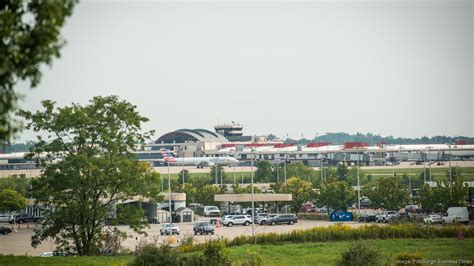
(253, 196)
(286, 155)
(358, 185)
(169, 188)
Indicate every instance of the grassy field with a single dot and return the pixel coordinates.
(323, 253)
(437, 174)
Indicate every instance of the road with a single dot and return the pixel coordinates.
(19, 243)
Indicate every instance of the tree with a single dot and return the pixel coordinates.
(19, 183)
(300, 190)
(30, 35)
(342, 171)
(205, 195)
(10, 200)
(387, 193)
(304, 172)
(336, 195)
(89, 167)
(264, 172)
(184, 176)
(443, 195)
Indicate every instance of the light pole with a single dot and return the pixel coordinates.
(285, 166)
(429, 162)
(358, 185)
(278, 172)
(253, 197)
(450, 170)
(169, 195)
(424, 167)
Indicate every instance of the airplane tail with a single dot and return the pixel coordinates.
(168, 157)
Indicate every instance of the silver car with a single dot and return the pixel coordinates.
(5, 218)
(169, 229)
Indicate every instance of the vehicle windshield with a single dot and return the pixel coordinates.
(167, 225)
(203, 224)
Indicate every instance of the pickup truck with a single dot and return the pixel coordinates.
(386, 216)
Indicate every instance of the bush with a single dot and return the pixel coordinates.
(360, 255)
(152, 255)
(252, 259)
(409, 258)
(215, 253)
(340, 232)
(314, 216)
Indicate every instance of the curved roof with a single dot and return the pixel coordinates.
(196, 135)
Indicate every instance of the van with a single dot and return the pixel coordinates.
(456, 215)
(211, 211)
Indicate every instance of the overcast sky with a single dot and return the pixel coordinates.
(401, 68)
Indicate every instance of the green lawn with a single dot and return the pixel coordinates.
(437, 174)
(323, 253)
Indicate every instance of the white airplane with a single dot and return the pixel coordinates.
(199, 162)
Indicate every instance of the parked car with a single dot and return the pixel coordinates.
(367, 218)
(237, 219)
(307, 207)
(53, 254)
(169, 229)
(203, 227)
(386, 216)
(25, 218)
(456, 215)
(5, 230)
(283, 219)
(4, 218)
(264, 220)
(211, 211)
(259, 216)
(433, 219)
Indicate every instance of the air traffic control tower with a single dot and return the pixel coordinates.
(232, 131)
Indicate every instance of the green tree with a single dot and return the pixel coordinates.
(30, 34)
(342, 172)
(264, 172)
(19, 183)
(444, 195)
(94, 169)
(10, 200)
(205, 195)
(300, 190)
(336, 195)
(387, 193)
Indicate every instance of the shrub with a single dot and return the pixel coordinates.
(409, 258)
(252, 259)
(360, 255)
(152, 255)
(215, 253)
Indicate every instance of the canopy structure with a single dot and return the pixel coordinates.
(258, 197)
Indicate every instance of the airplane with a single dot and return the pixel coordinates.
(199, 162)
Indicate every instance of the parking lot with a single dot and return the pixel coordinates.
(19, 243)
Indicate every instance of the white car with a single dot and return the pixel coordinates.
(386, 216)
(211, 211)
(433, 219)
(169, 229)
(237, 219)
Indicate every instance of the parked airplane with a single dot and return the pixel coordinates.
(199, 162)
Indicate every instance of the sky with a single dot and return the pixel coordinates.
(400, 68)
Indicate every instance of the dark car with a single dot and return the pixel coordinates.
(203, 227)
(5, 230)
(283, 219)
(25, 218)
(367, 218)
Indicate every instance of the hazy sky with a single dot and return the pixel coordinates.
(402, 68)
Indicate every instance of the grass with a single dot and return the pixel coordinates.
(329, 252)
(319, 253)
(437, 174)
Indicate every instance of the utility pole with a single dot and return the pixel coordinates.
(278, 172)
(215, 174)
(321, 170)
